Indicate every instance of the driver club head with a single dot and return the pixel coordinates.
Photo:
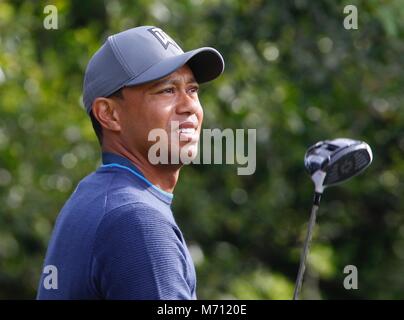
(331, 162)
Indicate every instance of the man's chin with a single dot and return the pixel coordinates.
(188, 153)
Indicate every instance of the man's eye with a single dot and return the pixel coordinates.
(194, 89)
(167, 90)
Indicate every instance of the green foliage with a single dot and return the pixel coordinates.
(292, 72)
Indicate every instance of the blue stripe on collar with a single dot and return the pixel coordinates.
(110, 159)
(141, 177)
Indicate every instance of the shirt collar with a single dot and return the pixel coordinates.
(109, 158)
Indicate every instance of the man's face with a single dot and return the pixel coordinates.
(170, 104)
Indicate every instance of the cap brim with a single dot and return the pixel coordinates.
(206, 64)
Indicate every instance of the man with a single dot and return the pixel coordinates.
(116, 237)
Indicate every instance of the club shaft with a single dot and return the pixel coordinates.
(305, 251)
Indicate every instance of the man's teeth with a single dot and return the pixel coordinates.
(187, 130)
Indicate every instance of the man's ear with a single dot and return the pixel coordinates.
(105, 111)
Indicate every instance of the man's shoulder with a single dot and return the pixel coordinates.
(115, 189)
(139, 209)
(140, 212)
(135, 220)
(113, 195)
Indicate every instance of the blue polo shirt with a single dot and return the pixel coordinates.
(116, 238)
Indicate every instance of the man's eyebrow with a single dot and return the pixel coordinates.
(172, 81)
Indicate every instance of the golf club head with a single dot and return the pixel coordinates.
(331, 162)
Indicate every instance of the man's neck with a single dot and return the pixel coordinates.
(163, 176)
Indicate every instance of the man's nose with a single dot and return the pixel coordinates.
(188, 103)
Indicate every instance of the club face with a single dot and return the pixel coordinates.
(340, 159)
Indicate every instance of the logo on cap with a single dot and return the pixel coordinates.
(163, 38)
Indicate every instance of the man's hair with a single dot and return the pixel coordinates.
(96, 125)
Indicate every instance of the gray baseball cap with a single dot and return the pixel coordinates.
(141, 55)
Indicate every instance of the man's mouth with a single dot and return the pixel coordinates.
(187, 131)
(187, 134)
